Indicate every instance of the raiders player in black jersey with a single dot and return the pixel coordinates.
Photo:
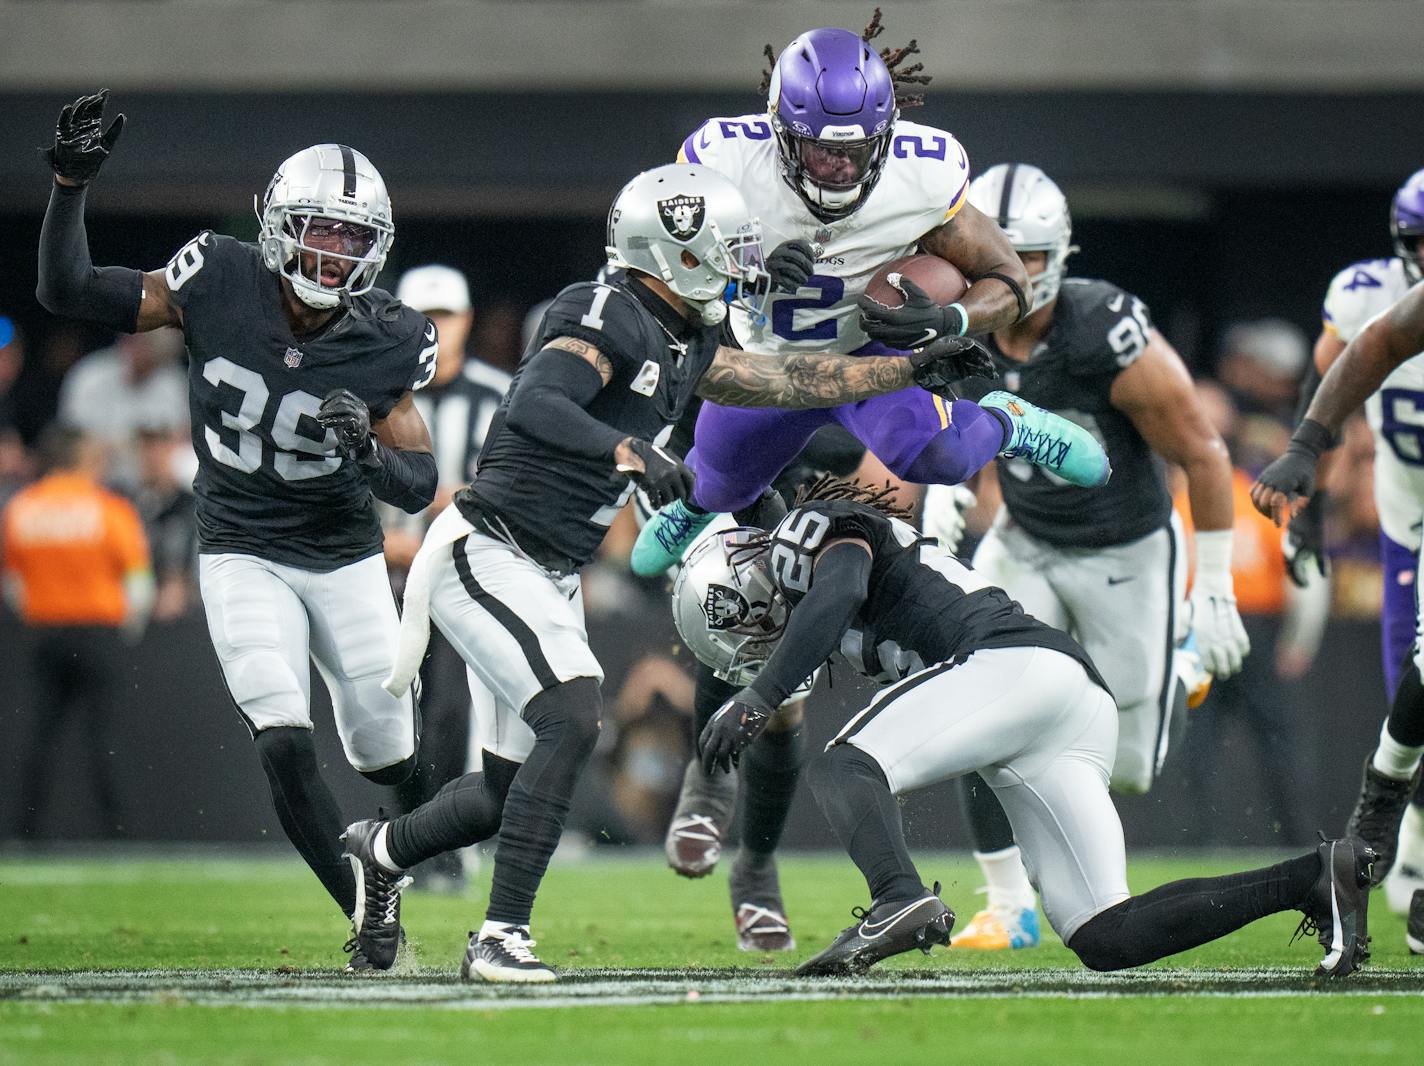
(609, 374)
(975, 684)
(1105, 564)
(300, 376)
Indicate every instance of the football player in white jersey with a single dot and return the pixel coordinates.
(1357, 296)
(841, 186)
(1384, 364)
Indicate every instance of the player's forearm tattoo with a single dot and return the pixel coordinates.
(745, 379)
(587, 352)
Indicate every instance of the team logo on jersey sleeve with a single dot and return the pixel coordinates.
(293, 358)
(683, 215)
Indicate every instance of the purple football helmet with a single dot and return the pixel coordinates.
(832, 104)
(1406, 224)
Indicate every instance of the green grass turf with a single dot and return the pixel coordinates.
(630, 912)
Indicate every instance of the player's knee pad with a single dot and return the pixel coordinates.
(286, 752)
(1098, 943)
(570, 714)
(394, 774)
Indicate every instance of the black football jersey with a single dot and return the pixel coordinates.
(922, 601)
(459, 415)
(270, 480)
(558, 506)
(1098, 330)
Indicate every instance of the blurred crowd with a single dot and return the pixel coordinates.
(117, 418)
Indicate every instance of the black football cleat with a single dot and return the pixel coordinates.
(505, 956)
(1414, 925)
(1336, 910)
(1377, 815)
(377, 917)
(890, 928)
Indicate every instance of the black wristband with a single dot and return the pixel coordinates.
(1313, 438)
(1014, 287)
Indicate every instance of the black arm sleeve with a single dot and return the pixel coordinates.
(818, 622)
(70, 284)
(401, 479)
(549, 406)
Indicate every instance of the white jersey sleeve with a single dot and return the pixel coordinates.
(1358, 293)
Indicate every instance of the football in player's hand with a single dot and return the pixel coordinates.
(941, 280)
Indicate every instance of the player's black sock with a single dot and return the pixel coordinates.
(565, 721)
(854, 796)
(1187, 914)
(1406, 714)
(466, 811)
(988, 824)
(306, 808)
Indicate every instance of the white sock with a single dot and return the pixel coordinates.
(382, 855)
(1411, 838)
(1006, 877)
(1394, 759)
(500, 930)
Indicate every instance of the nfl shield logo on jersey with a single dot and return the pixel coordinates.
(293, 358)
(682, 215)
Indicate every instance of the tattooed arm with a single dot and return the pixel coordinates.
(746, 379)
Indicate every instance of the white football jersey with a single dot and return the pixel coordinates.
(924, 184)
(1358, 294)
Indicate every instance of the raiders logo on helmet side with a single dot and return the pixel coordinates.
(725, 607)
(682, 216)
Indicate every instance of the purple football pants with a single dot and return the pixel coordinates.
(1398, 613)
(921, 438)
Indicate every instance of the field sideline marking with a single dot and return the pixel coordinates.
(593, 988)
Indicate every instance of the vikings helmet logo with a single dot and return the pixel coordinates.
(682, 216)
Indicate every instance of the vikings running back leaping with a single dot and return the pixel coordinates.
(583, 425)
(301, 375)
(981, 686)
(1106, 565)
(1384, 364)
(830, 165)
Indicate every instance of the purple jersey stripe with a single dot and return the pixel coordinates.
(689, 152)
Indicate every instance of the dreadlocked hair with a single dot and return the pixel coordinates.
(891, 57)
(829, 487)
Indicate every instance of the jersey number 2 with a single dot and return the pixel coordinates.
(794, 552)
(783, 312)
(236, 445)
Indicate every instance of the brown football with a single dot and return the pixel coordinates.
(940, 279)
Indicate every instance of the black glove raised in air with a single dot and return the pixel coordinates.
(346, 415)
(664, 478)
(789, 264)
(80, 148)
(949, 360)
(915, 323)
(727, 734)
(1293, 474)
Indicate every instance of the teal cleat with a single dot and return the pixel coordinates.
(1051, 441)
(666, 538)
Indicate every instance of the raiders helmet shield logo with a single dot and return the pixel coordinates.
(725, 607)
(683, 216)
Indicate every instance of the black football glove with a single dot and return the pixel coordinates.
(736, 724)
(664, 477)
(1293, 474)
(346, 415)
(1304, 541)
(915, 323)
(948, 360)
(789, 265)
(80, 147)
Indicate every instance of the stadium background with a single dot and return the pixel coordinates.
(1222, 160)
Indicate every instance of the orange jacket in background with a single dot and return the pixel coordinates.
(71, 543)
(1258, 569)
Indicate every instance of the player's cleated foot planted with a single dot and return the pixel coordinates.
(1000, 929)
(704, 807)
(1051, 441)
(377, 917)
(503, 953)
(890, 928)
(1414, 924)
(1377, 815)
(666, 537)
(1336, 910)
(763, 929)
